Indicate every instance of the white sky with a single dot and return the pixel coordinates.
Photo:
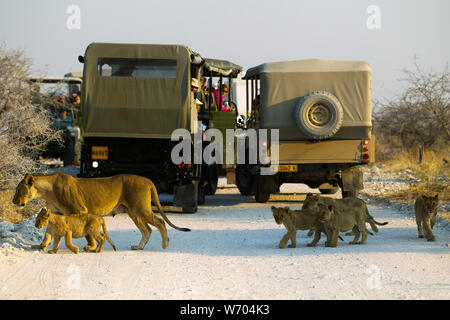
(246, 32)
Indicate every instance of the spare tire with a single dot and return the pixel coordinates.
(319, 115)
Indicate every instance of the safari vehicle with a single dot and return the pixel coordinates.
(212, 117)
(65, 113)
(134, 97)
(322, 109)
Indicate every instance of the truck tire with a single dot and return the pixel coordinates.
(319, 115)
(261, 193)
(69, 154)
(350, 194)
(329, 191)
(201, 195)
(212, 179)
(244, 180)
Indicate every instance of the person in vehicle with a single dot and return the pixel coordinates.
(76, 99)
(198, 104)
(223, 100)
(225, 104)
(203, 82)
(206, 97)
(125, 71)
(62, 99)
(194, 89)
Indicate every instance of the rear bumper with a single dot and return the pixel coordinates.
(321, 152)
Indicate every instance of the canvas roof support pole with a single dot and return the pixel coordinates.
(219, 106)
(247, 97)
(253, 93)
(229, 89)
(256, 87)
(210, 90)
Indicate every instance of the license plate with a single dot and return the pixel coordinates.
(99, 153)
(287, 168)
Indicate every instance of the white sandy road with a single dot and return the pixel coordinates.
(232, 253)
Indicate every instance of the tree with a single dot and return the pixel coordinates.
(24, 123)
(419, 116)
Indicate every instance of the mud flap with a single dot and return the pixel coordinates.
(186, 196)
(352, 179)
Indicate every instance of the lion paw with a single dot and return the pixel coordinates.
(75, 250)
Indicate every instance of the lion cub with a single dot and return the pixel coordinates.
(294, 220)
(335, 221)
(425, 208)
(73, 226)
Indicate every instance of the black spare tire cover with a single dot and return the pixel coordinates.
(319, 115)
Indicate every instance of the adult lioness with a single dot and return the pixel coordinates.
(425, 208)
(68, 195)
(313, 200)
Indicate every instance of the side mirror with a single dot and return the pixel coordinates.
(81, 59)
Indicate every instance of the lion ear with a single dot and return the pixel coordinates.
(29, 179)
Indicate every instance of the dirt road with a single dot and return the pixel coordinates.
(232, 253)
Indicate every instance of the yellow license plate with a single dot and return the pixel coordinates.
(287, 168)
(99, 153)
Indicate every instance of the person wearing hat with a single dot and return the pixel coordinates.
(198, 103)
(194, 85)
(194, 89)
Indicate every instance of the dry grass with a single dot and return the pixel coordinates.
(13, 214)
(433, 177)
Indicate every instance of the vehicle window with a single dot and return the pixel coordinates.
(137, 68)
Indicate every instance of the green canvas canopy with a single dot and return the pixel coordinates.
(136, 90)
(282, 84)
(221, 67)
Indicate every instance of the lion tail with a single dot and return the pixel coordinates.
(107, 236)
(373, 222)
(161, 212)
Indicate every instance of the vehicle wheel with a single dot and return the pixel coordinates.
(329, 191)
(244, 180)
(69, 154)
(319, 115)
(201, 195)
(350, 194)
(261, 195)
(212, 177)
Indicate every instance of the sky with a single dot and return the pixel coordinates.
(389, 34)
